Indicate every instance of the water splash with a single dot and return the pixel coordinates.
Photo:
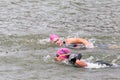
(92, 40)
(43, 41)
(65, 62)
(47, 58)
(90, 59)
(114, 60)
(95, 65)
(101, 65)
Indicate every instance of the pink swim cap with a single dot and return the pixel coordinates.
(53, 37)
(63, 51)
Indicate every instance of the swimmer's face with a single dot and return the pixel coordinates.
(58, 42)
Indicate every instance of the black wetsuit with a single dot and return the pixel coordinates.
(74, 45)
(73, 57)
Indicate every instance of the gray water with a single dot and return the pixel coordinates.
(25, 26)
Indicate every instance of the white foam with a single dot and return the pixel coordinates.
(43, 41)
(46, 58)
(95, 65)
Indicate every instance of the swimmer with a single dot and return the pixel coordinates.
(71, 42)
(78, 43)
(75, 59)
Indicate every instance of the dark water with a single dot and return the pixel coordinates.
(25, 26)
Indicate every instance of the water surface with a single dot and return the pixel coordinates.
(25, 26)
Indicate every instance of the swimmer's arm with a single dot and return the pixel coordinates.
(79, 41)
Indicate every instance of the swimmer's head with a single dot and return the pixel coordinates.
(53, 37)
(63, 51)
